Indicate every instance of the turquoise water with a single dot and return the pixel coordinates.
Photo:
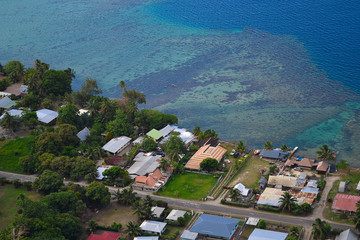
(281, 71)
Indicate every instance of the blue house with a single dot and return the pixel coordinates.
(215, 226)
(274, 154)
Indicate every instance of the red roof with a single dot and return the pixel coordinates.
(345, 202)
(104, 236)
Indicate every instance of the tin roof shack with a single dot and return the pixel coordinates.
(345, 203)
(274, 154)
(283, 182)
(342, 187)
(322, 167)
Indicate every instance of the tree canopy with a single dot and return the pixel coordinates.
(56, 82)
(48, 182)
(209, 164)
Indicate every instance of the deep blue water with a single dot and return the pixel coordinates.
(329, 28)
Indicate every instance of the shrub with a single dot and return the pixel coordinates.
(2, 181)
(268, 208)
(262, 224)
(27, 185)
(17, 183)
(237, 204)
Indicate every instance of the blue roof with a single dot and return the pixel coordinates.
(261, 234)
(215, 226)
(275, 154)
(262, 180)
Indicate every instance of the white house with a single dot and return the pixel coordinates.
(153, 227)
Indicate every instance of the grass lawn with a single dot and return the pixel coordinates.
(115, 213)
(246, 232)
(191, 186)
(11, 152)
(8, 195)
(249, 174)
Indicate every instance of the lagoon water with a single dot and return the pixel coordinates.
(253, 70)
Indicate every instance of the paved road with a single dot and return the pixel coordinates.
(209, 206)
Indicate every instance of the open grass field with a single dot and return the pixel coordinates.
(249, 174)
(191, 186)
(11, 152)
(8, 195)
(115, 213)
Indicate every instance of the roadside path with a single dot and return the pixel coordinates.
(214, 207)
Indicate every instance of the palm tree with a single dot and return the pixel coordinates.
(357, 221)
(165, 164)
(294, 232)
(126, 196)
(10, 123)
(268, 145)
(320, 229)
(196, 131)
(287, 202)
(234, 194)
(148, 201)
(133, 229)
(325, 153)
(241, 147)
(284, 148)
(146, 214)
(137, 207)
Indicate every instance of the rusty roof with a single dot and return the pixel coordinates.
(345, 202)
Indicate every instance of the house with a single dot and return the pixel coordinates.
(273, 154)
(262, 182)
(306, 163)
(206, 151)
(175, 214)
(187, 235)
(322, 167)
(14, 113)
(154, 227)
(207, 141)
(144, 164)
(342, 186)
(6, 102)
(83, 134)
(270, 197)
(215, 226)
(139, 140)
(186, 136)
(157, 211)
(46, 116)
(345, 203)
(305, 195)
(282, 181)
(116, 145)
(242, 189)
(146, 238)
(155, 134)
(23, 90)
(153, 182)
(104, 236)
(262, 234)
(167, 130)
(348, 235)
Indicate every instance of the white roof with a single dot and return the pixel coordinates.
(5, 94)
(146, 238)
(139, 140)
(189, 235)
(242, 189)
(157, 211)
(144, 164)
(358, 186)
(175, 214)
(347, 235)
(271, 197)
(116, 144)
(100, 171)
(46, 115)
(23, 89)
(83, 134)
(82, 111)
(282, 180)
(13, 113)
(252, 221)
(152, 226)
(262, 234)
(5, 102)
(167, 130)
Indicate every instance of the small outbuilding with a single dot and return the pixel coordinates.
(175, 214)
(157, 211)
(14, 113)
(342, 186)
(187, 235)
(262, 182)
(322, 167)
(46, 116)
(242, 189)
(6, 102)
(274, 154)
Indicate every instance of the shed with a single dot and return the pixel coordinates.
(262, 182)
(46, 115)
(187, 235)
(175, 214)
(116, 145)
(155, 134)
(139, 140)
(13, 113)
(83, 134)
(6, 102)
(153, 227)
(23, 90)
(157, 211)
(252, 221)
(242, 189)
(262, 234)
(342, 187)
(322, 167)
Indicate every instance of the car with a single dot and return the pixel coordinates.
(298, 169)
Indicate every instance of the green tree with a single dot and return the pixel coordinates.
(56, 82)
(241, 147)
(113, 173)
(234, 194)
(65, 202)
(165, 164)
(133, 229)
(148, 119)
(29, 164)
(91, 226)
(294, 232)
(268, 145)
(148, 144)
(342, 165)
(68, 135)
(174, 146)
(284, 148)
(10, 123)
(181, 221)
(262, 224)
(97, 195)
(88, 90)
(121, 125)
(207, 134)
(209, 164)
(320, 229)
(49, 142)
(48, 182)
(196, 131)
(31, 101)
(287, 202)
(83, 167)
(15, 70)
(325, 153)
(126, 196)
(70, 225)
(69, 114)
(30, 119)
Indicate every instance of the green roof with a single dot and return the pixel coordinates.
(6, 102)
(155, 134)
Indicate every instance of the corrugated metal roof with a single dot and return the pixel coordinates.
(152, 226)
(345, 202)
(274, 154)
(175, 214)
(157, 211)
(155, 134)
(83, 134)
(46, 115)
(6, 102)
(189, 235)
(144, 165)
(283, 181)
(347, 235)
(166, 130)
(271, 197)
(262, 234)
(242, 189)
(116, 144)
(13, 113)
(216, 226)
